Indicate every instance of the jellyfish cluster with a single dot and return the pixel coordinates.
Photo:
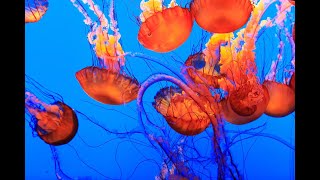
(205, 101)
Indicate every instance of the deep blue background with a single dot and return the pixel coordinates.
(56, 48)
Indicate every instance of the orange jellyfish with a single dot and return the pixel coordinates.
(221, 16)
(107, 86)
(56, 123)
(181, 111)
(245, 103)
(107, 82)
(164, 29)
(282, 99)
(34, 10)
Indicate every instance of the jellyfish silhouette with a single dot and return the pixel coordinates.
(106, 82)
(221, 16)
(55, 123)
(34, 10)
(164, 29)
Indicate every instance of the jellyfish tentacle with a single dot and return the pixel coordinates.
(58, 171)
(220, 158)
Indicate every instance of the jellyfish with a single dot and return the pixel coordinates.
(221, 16)
(34, 10)
(282, 95)
(282, 101)
(106, 82)
(55, 123)
(180, 111)
(246, 103)
(164, 29)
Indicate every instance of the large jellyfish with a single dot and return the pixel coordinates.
(106, 82)
(55, 123)
(280, 85)
(180, 111)
(34, 10)
(221, 16)
(282, 95)
(164, 29)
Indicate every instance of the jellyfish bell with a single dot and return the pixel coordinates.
(108, 86)
(181, 111)
(282, 99)
(245, 103)
(55, 123)
(292, 82)
(34, 10)
(203, 71)
(166, 29)
(221, 16)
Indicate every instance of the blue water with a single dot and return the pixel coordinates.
(56, 48)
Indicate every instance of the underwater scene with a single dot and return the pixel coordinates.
(160, 89)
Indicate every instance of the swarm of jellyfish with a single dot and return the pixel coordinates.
(225, 83)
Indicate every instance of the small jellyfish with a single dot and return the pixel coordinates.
(34, 10)
(164, 29)
(221, 16)
(282, 99)
(55, 123)
(106, 82)
(181, 111)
